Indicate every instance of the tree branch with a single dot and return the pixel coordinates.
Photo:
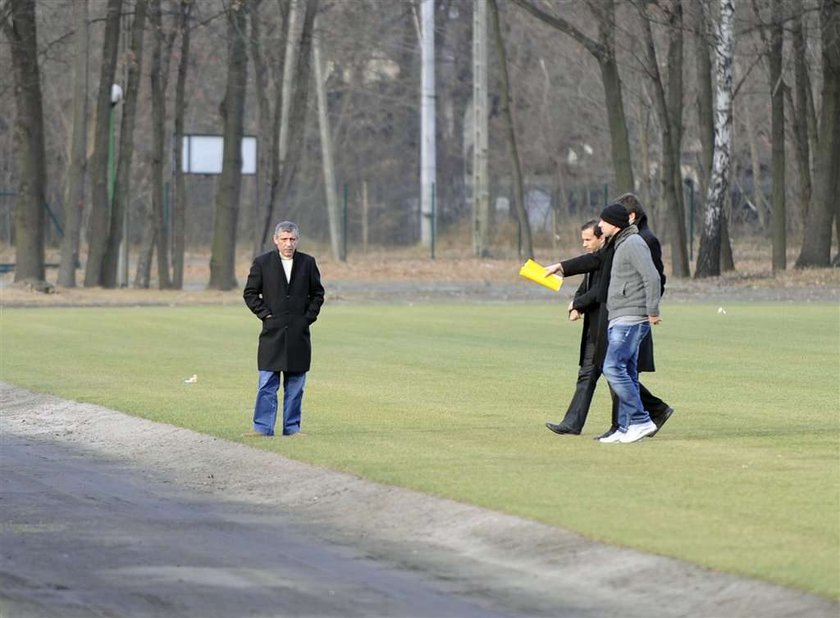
(592, 46)
(5, 15)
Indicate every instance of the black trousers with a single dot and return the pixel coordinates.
(653, 404)
(587, 380)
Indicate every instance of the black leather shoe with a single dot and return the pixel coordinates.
(661, 420)
(608, 432)
(562, 429)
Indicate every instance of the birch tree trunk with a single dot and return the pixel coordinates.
(99, 221)
(29, 137)
(708, 258)
(232, 111)
(527, 245)
(74, 191)
(706, 122)
(122, 189)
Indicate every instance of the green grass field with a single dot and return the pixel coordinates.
(451, 400)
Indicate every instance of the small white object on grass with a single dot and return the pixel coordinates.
(192, 379)
(722, 310)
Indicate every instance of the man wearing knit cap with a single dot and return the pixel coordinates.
(632, 306)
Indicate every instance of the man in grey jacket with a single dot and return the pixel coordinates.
(633, 307)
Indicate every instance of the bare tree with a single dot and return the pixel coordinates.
(179, 215)
(155, 226)
(327, 155)
(74, 193)
(603, 50)
(122, 188)
(668, 104)
(708, 258)
(801, 106)
(816, 246)
(778, 223)
(100, 201)
(21, 32)
(527, 245)
(232, 110)
(371, 67)
(774, 50)
(264, 55)
(162, 54)
(705, 93)
(290, 113)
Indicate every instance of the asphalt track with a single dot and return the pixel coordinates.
(102, 514)
(89, 537)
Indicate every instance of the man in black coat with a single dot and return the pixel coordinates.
(597, 266)
(586, 303)
(284, 291)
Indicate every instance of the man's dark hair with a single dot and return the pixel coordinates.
(631, 203)
(592, 223)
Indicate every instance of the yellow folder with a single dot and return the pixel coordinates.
(535, 272)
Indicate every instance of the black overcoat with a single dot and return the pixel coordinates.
(653, 244)
(293, 305)
(593, 303)
(586, 302)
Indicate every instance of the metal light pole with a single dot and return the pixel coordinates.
(428, 156)
(480, 178)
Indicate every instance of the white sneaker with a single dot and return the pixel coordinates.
(611, 438)
(637, 432)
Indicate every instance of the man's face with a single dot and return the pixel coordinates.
(590, 242)
(286, 243)
(608, 229)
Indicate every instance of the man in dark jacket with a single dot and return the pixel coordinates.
(284, 290)
(587, 304)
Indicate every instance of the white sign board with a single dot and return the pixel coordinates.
(202, 154)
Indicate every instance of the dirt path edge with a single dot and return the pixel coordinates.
(522, 565)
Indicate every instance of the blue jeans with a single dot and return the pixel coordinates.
(265, 409)
(620, 369)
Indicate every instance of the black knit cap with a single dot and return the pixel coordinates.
(616, 215)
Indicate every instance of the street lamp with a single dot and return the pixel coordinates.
(122, 266)
(116, 97)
